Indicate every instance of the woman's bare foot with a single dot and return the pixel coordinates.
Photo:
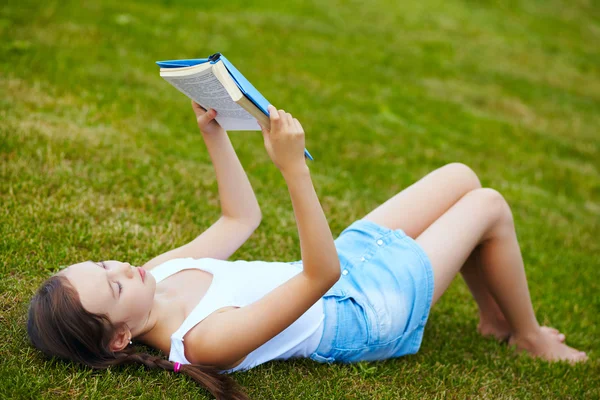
(548, 344)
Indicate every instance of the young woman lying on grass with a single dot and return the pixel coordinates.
(365, 296)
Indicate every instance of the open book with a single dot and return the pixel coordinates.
(215, 83)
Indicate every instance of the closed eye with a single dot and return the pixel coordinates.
(101, 264)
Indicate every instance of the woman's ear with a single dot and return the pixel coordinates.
(121, 339)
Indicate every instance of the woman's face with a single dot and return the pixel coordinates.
(116, 289)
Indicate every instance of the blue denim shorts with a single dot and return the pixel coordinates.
(379, 307)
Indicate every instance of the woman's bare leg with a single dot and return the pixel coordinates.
(483, 219)
(418, 206)
(491, 318)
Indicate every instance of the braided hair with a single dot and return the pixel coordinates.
(59, 326)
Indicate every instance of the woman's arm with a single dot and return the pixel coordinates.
(229, 336)
(237, 198)
(319, 255)
(283, 142)
(240, 210)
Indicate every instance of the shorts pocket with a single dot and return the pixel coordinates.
(353, 327)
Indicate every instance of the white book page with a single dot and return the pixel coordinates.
(205, 89)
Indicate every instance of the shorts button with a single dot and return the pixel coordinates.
(345, 272)
(380, 242)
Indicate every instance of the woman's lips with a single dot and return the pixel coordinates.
(142, 273)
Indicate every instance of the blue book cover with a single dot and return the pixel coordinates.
(242, 83)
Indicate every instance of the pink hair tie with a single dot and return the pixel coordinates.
(177, 366)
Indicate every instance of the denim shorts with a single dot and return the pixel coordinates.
(379, 307)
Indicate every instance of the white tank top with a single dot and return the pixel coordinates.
(239, 283)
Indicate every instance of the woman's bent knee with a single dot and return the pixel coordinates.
(463, 174)
(492, 202)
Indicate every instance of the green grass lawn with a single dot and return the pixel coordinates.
(101, 159)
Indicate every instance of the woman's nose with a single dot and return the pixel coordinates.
(127, 270)
(122, 269)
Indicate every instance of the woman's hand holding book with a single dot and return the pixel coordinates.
(206, 119)
(284, 141)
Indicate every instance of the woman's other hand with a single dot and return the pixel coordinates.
(285, 141)
(206, 119)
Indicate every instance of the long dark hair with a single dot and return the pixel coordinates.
(59, 326)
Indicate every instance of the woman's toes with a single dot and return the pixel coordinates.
(580, 356)
(555, 332)
(549, 329)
